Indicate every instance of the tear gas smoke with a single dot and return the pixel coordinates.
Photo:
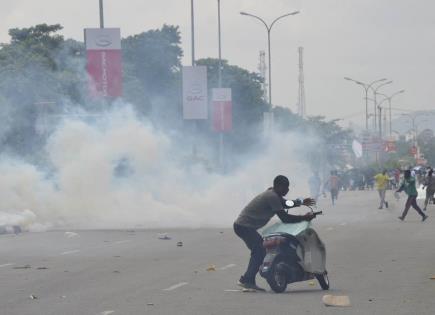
(117, 171)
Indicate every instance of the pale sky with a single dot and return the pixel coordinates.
(362, 39)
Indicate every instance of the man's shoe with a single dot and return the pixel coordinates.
(424, 218)
(400, 218)
(249, 286)
(386, 204)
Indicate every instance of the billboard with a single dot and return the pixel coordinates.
(195, 97)
(222, 110)
(104, 61)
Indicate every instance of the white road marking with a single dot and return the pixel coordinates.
(227, 267)
(176, 286)
(107, 312)
(70, 252)
(122, 242)
(5, 265)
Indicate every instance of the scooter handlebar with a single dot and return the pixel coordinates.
(317, 213)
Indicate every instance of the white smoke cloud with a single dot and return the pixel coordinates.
(117, 171)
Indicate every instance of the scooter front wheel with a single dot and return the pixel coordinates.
(323, 281)
(277, 278)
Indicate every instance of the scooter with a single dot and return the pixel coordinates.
(294, 253)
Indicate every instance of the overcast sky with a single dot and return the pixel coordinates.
(362, 39)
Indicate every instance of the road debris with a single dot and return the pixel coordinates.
(211, 268)
(432, 278)
(41, 268)
(63, 296)
(33, 297)
(150, 304)
(71, 234)
(163, 236)
(116, 271)
(180, 244)
(23, 267)
(336, 300)
(311, 283)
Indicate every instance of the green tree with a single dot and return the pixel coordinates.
(152, 64)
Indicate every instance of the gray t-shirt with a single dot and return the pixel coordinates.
(260, 210)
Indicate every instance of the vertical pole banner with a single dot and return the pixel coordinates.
(222, 110)
(104, 61)
(195, 97)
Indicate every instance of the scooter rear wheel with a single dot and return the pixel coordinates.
(323, 281)
(277, 279)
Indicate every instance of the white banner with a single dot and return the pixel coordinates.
(195, 98)
(357, 149)
(221, 95)
(103, 38)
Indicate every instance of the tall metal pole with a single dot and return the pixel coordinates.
(101, 14)
(270, 66)
(221, 135)
(193, 32)
(220, 44)
(366, 88)
(375, 92)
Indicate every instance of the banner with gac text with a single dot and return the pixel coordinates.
(104, 61)
(195, 96)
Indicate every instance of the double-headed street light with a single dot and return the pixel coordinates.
(366, 89)
(269, 28)
(388, 98)
(375, 92)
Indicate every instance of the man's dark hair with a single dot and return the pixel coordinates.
(281, 180)
(407, 174)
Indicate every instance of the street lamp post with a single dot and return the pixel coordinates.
(101, 14)
(192, 19)
(375, 92)
(269, 28)
(389, 106)
(366, 89)
(220, 47)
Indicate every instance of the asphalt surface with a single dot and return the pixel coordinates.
(382, 264)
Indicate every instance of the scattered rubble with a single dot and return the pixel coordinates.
(33, 297)
(164, 236)
(336, 300)
(23, 267)
(180, 244)
(71, 234)
(211, 268)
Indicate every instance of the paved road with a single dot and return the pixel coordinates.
(383, 265)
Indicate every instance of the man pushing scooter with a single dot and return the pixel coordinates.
(257, 214)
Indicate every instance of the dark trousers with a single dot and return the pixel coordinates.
(254, 242)
(412, 201)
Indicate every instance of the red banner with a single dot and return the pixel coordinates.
(105, 70)
(104, 62)
(222, 110)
